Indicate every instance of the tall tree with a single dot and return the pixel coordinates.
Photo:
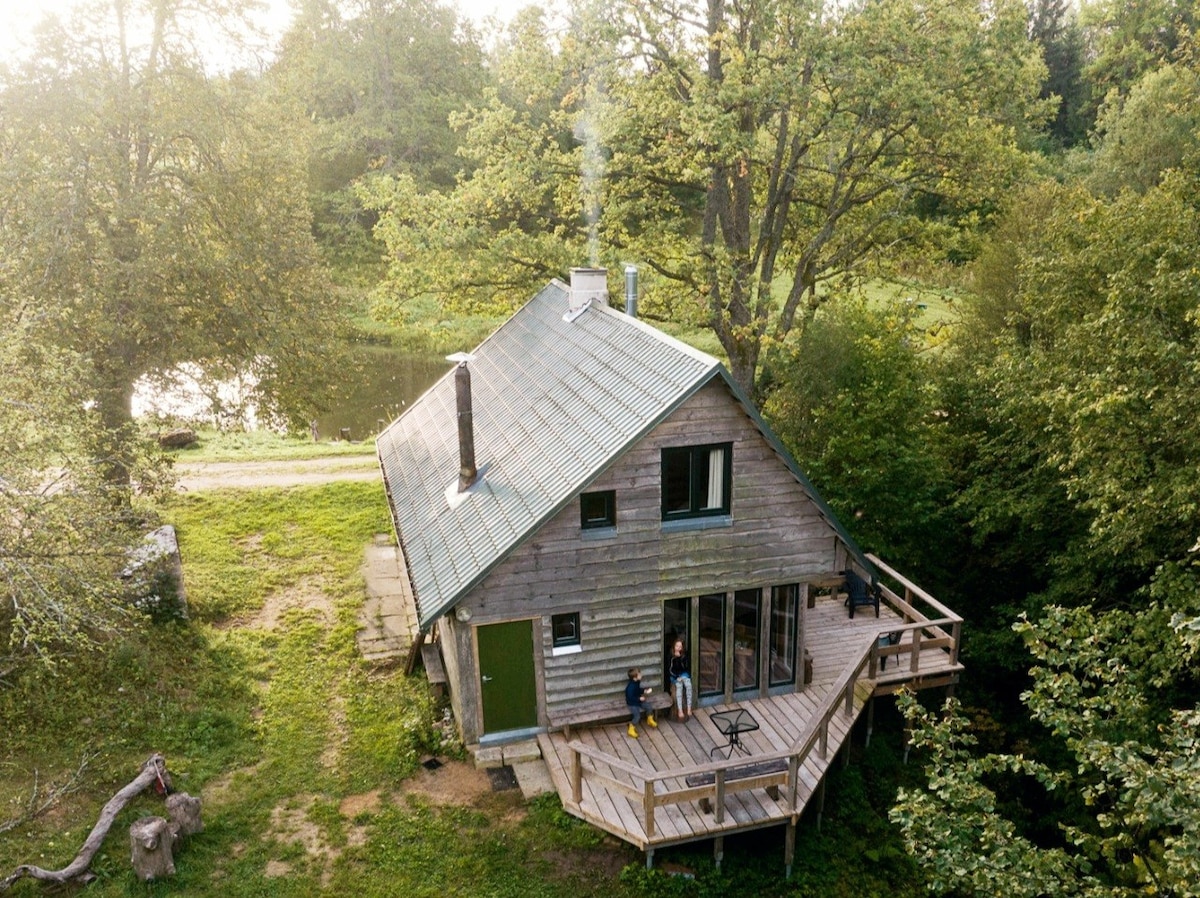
(749, 152)
(378, 79)
(63, 539)
(1054, 26)
(1127, 40)
(855, 402)
(152, 215)
(1108, 806)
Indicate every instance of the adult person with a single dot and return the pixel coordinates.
(680, 671)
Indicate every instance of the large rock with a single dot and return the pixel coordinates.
(177, 439)
(155, 576)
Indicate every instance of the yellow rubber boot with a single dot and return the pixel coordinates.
(632, 731)
(650, 721)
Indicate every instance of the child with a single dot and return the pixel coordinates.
(633, 698)
(681, 680)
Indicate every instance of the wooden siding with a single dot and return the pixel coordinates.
(617, 581)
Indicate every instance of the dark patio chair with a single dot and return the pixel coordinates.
(859, 592)
(887, 640)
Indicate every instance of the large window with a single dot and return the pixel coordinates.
(746, 607)
(785, 612)
(695, 481)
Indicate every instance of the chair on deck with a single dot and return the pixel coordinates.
(859, 592)
(887, 640)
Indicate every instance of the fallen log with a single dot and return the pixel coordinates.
(154, 772)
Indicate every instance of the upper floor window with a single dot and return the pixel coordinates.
(598, 509)
(695, 480)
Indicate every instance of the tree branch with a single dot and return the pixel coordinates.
(155, 769)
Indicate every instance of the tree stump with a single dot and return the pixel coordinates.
(151, 840)
(184, 811)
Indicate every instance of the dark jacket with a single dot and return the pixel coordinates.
(633, 693)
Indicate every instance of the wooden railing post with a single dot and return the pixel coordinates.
(720, 774)
(576, 777)
(793, 781)
(956, 636)
(648, 805)
(914, 663)
(824, 741)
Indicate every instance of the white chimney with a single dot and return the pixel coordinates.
(588, 285)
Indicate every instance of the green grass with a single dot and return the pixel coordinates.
(264, 445)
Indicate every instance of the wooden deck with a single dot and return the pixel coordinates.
(637, 789)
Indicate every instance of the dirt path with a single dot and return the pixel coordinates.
(300, 472)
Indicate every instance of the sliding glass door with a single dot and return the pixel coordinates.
(746, 607)
(712, 644)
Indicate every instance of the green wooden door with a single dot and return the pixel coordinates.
(506, 676)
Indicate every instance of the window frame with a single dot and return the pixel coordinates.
(566, 645)
(609, 498)
(698, 461)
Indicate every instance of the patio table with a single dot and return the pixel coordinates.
(732, 724)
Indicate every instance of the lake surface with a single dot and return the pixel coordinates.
(385, 384)
(376, 384)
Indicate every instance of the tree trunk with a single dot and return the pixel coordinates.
(184, 811)
(153, 771)
(150, 842)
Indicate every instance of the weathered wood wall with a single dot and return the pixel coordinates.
(618, 581)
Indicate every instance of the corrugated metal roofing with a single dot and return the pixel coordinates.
(553, 403)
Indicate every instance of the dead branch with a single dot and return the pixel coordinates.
(152, 771)
(38, 804)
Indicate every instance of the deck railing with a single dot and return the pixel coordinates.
(940, 630)
(655, 788)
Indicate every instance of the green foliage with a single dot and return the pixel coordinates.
(186, 242)
(1130, 39)
(854, 402)
(378, 82)
(764, 145)
(1121, 797)
(1150, 131)
(64, 531)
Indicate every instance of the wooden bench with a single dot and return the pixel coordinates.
(602, 711)
(769, 775)
(435, 671)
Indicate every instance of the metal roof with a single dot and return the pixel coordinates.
(554, 402)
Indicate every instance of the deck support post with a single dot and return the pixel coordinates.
(649, 858)
(870, 720)
(789, 847)
(718, 850)
(576, 777)
(820, 802)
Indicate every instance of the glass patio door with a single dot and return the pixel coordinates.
(712, 644)
(747, 606)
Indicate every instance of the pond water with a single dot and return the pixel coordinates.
(377, 383)
(385, 384)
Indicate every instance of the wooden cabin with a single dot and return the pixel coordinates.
(581, 490)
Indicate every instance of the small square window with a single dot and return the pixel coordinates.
(598, 509)
(564, 629)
